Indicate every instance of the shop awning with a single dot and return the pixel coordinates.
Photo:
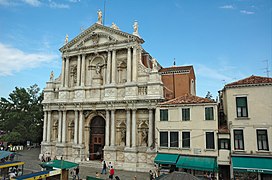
(162, 158)
(252, 164)
(61, 164)
(4, 154)
(197, 163)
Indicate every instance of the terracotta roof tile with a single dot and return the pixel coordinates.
(188, 99)
(251, 80)
(175, 68)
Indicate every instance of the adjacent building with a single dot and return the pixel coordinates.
(186, 134)
(247, 107)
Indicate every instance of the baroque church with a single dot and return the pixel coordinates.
(102, 106)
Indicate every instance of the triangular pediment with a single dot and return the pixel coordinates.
(99, 35)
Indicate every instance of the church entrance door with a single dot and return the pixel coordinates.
(97, 138)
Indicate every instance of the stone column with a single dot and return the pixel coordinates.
(49, 127)
(76, 127)
(45, 127)
(108, 68)
(60, 126)
(63, 139)
(113, 69)
(80, 127)
(83, 70)
(63, 72)
(107, 143)
(135, 64)
(129, 65)
(150, 128)
(133, 129)
(128, 129)
(67, 72)
(78, 70)
(112, 127)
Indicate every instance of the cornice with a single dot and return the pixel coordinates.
(248, 85)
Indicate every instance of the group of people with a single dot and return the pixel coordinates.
(106, 166)
(14, 171)
(45, 158)
(153, 174)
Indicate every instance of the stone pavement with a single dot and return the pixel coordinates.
(30, 157)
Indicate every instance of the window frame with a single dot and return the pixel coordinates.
(226, 142)
(262, 138)
(208, 115)
(171, 142)
(163, 116)
(187, 140)
(208, 143)
(167, 138)
(240, 140)
(241, 114)
(184, 112)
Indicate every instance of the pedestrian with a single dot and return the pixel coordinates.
(117, 178)
(77, 172)
(150, 175)
(109, 165)
(111, 172)
(104, 167)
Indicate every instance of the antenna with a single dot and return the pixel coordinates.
(267, 67)
(104, 18)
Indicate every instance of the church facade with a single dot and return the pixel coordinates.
(102, 106)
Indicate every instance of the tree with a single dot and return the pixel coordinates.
(209, 95)
(21, 115)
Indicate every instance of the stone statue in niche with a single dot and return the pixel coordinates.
(144, 137)
(123, 137)
(98, 68)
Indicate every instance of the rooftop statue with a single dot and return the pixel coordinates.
(99, 14)
(52, 76)
(114, 26)
(135, 28)
(66, 38)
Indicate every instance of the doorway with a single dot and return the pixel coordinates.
(97, 138)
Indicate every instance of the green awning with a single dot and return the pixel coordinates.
(166, 158)
(61, 164)
(252, 164)
(197, 163)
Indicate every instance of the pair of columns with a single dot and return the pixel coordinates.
(131, 128)
(62, 127)
(81, 68)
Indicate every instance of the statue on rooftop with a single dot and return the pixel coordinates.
(66, 38)
(114, 26)
(99, 14)
(52, 76)
(135, 28)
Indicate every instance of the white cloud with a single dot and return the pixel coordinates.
(227, 7)
(14, 60)
(58, 6)
(35, 3)
(247, 12)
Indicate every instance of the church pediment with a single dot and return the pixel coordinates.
(99, 35)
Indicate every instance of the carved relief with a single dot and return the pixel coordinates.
(97, 67)
(142, 90)
(73, 74)
(122, 72)
(143, 131)
(121, 132)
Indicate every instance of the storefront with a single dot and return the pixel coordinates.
(166, 162)
(198, 165)
(244, 166)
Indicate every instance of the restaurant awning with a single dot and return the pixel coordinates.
(252, 164)
(4, 154)
(61, 164)
(197, 163)
(163, 158)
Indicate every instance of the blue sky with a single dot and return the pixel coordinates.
(225, 40)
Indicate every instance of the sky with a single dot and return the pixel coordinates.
(224, 40)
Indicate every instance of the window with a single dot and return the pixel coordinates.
(174, 142)
(262, 140)
(209, 113)
(238, 140)
(209, 140)
(241, 106)
(224, 144)
(185, 139)
(164, 114)
(185, 114)
(164, 139)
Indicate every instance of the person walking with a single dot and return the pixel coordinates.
(111, 172)
(77, 173)
(104, 167)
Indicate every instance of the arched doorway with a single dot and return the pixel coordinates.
(97, 138)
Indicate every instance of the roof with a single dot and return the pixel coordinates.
(176, 68)
(61, 164)
(188, 99)
(252, 80)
